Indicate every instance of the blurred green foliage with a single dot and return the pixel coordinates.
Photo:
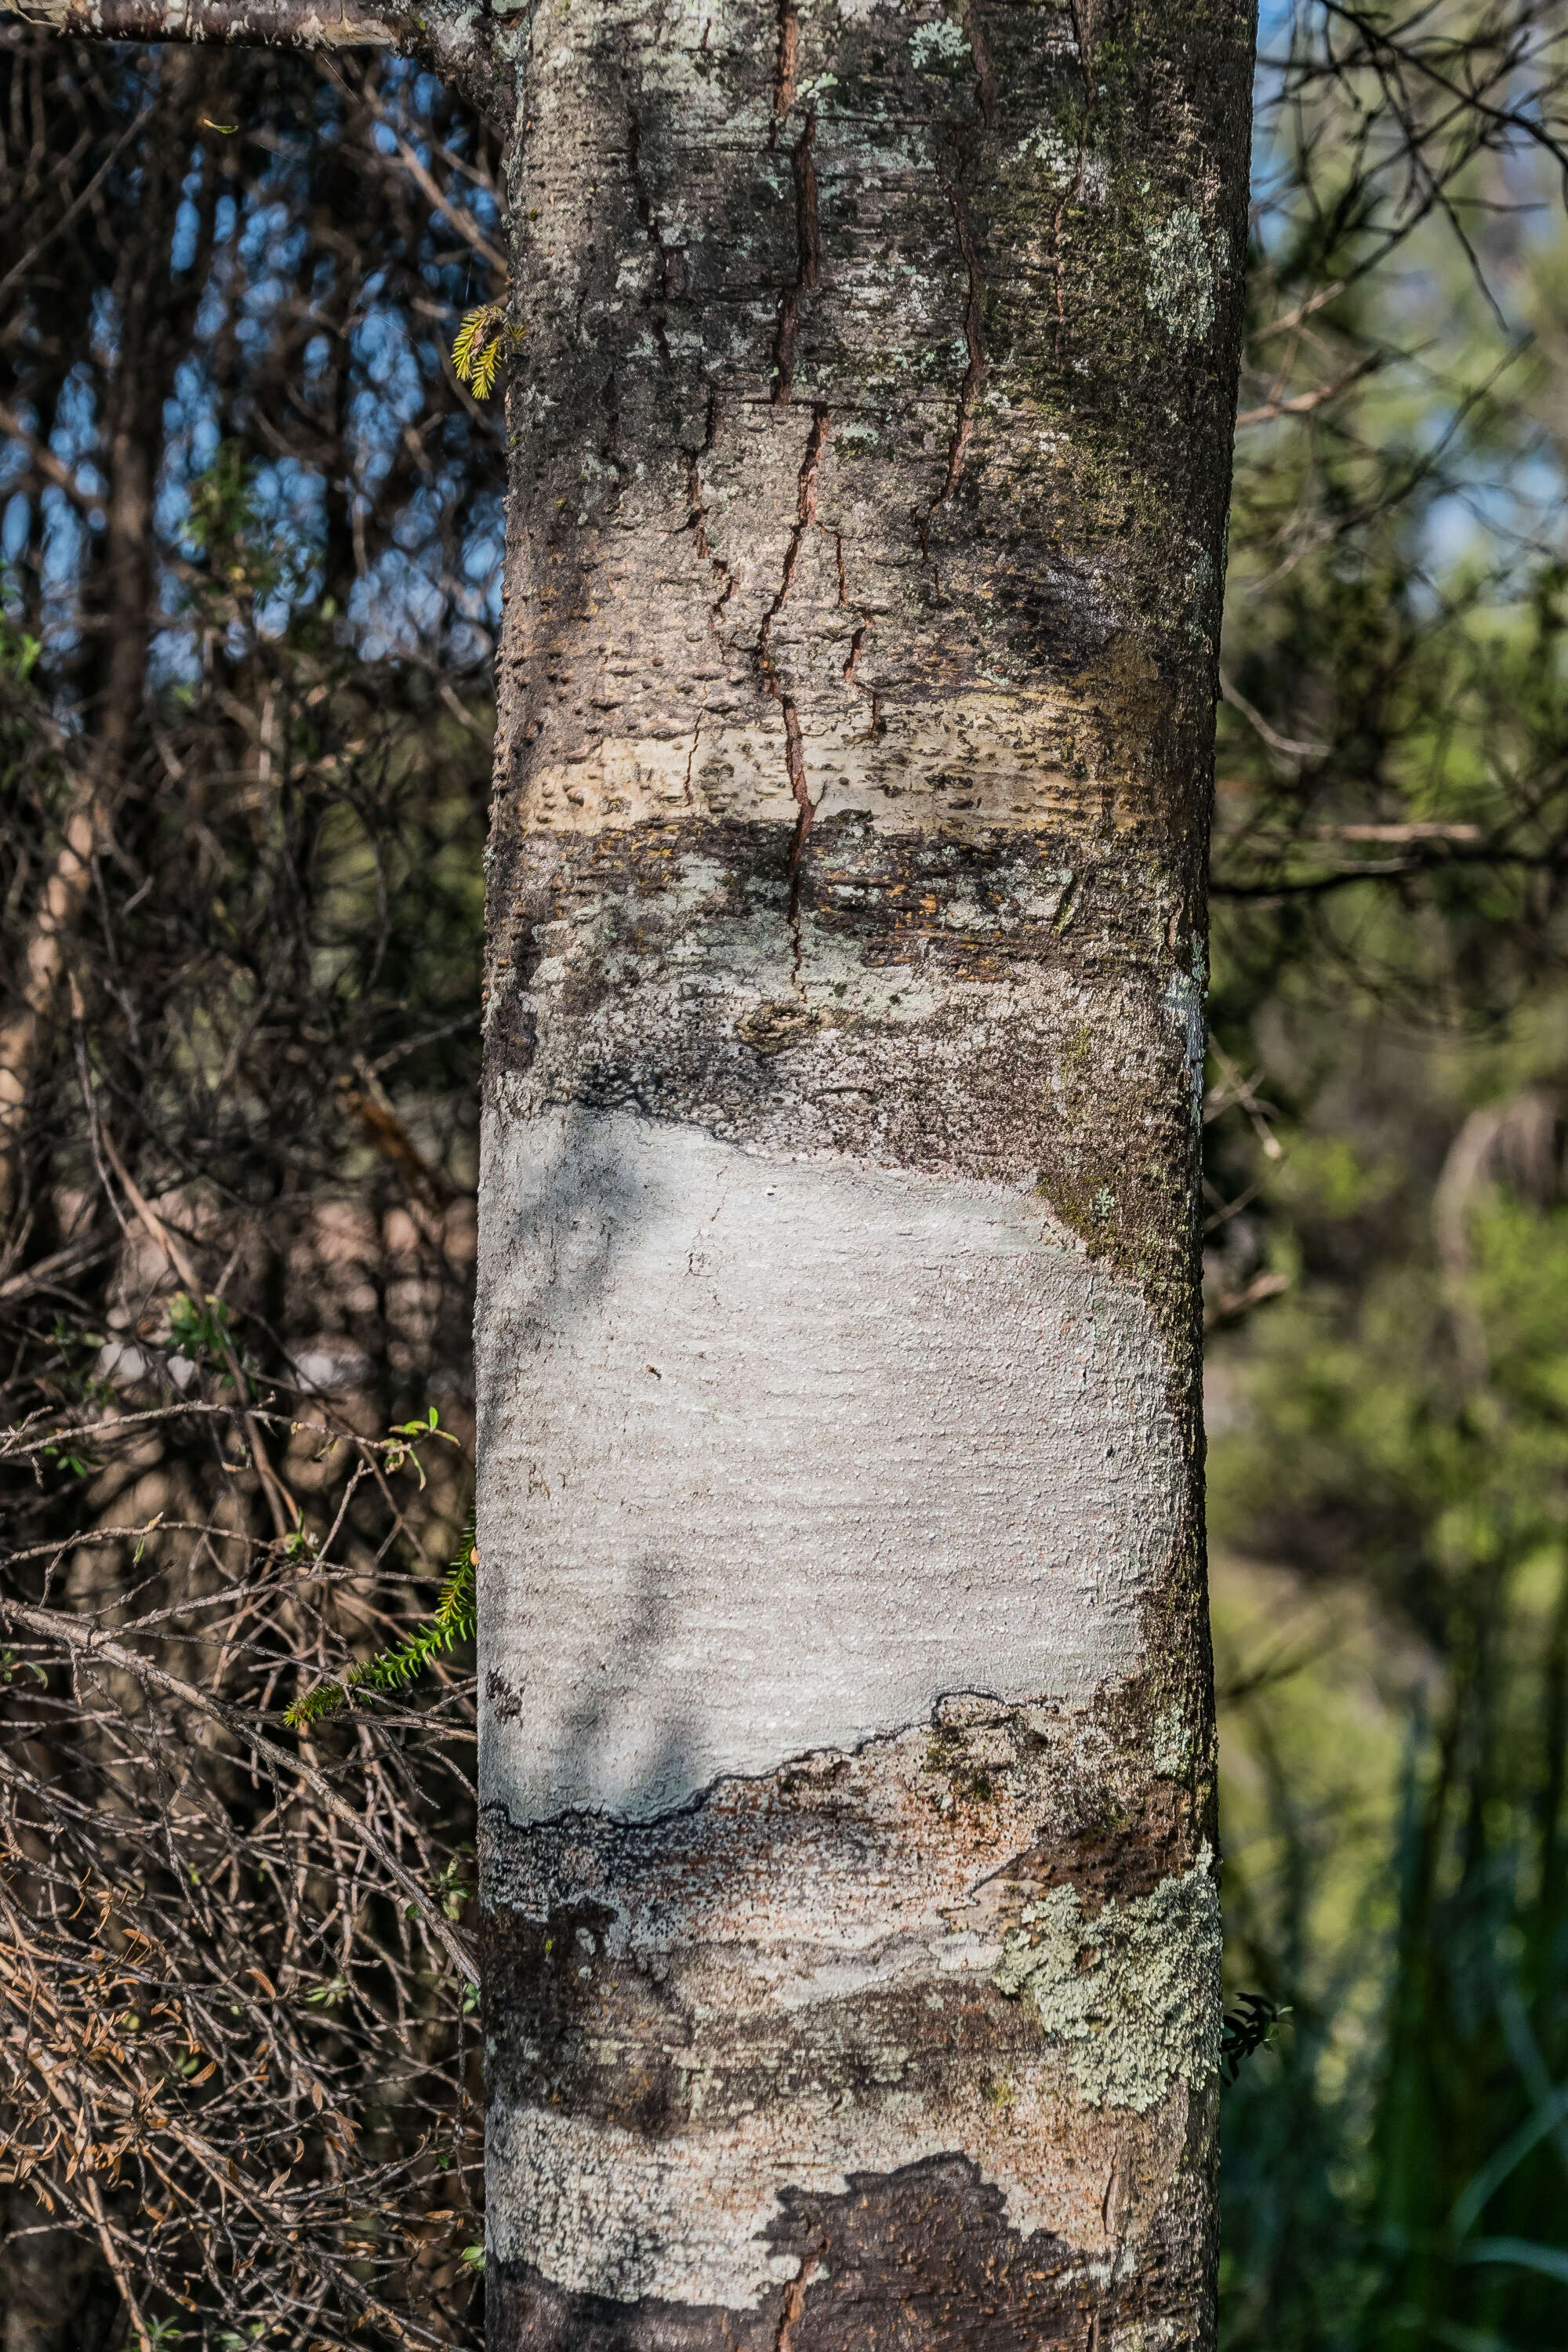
(1387, 1267)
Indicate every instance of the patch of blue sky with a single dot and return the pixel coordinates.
(14, 458)
(1507, 525)
(174, 659)
(15, 526)
(187, 219)
(75, 434)
(59, 569)
(395, 610)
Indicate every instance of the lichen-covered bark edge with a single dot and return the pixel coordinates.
(741, 2004)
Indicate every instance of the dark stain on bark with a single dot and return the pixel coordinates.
(808, 263)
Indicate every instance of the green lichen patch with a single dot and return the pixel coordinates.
(1181, 291)
(1131, 1997)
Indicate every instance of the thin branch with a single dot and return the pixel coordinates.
(250, 24)
(80, 1635)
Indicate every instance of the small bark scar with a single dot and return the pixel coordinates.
(808, 267)
(1108, 2202)
(976, 370)
(864, 623)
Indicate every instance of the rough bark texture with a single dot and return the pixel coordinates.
(853, 1935)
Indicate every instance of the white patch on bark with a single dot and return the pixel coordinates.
(1131, 1997)
(776, 1454)
(1187, 1001)
(939, 43)
(1181, 286)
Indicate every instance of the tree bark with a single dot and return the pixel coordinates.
(852, 1937)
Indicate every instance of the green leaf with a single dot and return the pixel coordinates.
(1471, 2203)
(476, 354)
(456, 1620)
(1522, 2253)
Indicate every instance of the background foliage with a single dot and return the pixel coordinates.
(1388, 1268)
(251, 530)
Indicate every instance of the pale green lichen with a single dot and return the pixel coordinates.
(1180, 284)
(941, 44)
(1170, 1747)
(1131, 1997)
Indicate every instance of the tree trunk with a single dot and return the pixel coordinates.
(148, 357)
(847, 1759)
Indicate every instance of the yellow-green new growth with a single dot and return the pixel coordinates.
(454, 1620)
(476, 354)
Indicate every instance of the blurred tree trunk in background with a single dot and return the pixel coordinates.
(242, 855)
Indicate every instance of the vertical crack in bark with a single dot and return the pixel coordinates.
(974, 373)
(610, 446)
(697, 523)
(795, 2303)
(642, 196)
(1084, 14)
(809, 265)
(1058, 263)
(839, 558)
(786, 58)
(985, 70)
(794, 749)
(696, 520)
(691, 757)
